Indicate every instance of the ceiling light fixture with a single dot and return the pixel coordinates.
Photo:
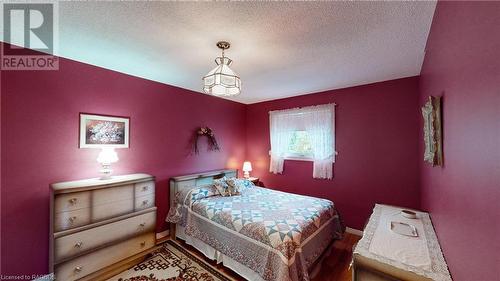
(222, 80)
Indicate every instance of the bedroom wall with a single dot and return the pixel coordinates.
(462, 64)
(377, 140)
(40, 119)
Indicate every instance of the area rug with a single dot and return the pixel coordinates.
(171, 263)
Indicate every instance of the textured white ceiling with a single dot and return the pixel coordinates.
(280, 49)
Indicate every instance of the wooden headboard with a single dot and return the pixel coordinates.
(194, 180)
(190, 181)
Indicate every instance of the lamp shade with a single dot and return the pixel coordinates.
(247, 166)
(107, 155)
(222, 80)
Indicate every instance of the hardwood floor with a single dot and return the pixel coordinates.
(335, 267)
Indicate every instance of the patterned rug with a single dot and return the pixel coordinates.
(171, 263)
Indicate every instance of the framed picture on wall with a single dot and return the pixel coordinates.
(431, 112)
(97, 131)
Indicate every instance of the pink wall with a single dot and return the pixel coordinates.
(40, 143)
(462, 64)
(377, 140)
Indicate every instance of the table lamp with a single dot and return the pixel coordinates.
(106, 157)
(247, 168)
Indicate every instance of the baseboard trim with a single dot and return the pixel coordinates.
(354, 231)
(161, 235)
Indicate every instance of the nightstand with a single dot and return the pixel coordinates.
(253, 179)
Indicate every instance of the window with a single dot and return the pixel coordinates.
(300, 146)
(303, 134)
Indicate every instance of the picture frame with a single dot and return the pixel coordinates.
(431, 112)
(98, 131)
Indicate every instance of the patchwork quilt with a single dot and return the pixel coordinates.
(278, 235)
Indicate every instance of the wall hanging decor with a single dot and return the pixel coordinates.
(205, 132)
(431, 112)
(99, 131)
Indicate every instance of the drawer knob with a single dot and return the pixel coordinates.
(78, 269)
(145, 188)
(143, 244)
(72, 219)
(79, 244)
(72, 201)
(145, 202)
(142, 224)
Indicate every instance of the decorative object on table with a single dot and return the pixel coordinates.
(222, 80)
(106, 157)
(431, 112)
(205, 132)
(404, 229)
(97, 131)
(247, 168)
(408, 214)
(170, 263)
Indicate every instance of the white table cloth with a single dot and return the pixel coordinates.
(421, 255)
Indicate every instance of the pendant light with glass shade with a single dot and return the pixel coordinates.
(222, 80)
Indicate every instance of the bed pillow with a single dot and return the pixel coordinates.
(222, 187)
(238, 185)
(203, 192)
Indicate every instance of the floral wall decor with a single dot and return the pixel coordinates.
(205, 132)
(97, 131)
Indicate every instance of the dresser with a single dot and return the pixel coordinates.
(99, 226)
(384, 254)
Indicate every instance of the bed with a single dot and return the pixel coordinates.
(261, 234)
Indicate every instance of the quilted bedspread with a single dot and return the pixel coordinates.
(276, 234)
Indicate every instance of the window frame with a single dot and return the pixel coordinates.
(309, 158)
(297, 157)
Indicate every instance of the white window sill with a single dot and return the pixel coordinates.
(299, 158)
(302, 158)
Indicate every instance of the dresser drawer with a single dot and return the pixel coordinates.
(74, 244)
(112, 209)
(84, 265)
(71, 201)
(144, 202)
(144, 188)
(71, 219)
(112, 194)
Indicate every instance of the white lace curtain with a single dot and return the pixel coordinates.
(319, 122)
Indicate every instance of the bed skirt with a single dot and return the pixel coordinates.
(235, 266)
